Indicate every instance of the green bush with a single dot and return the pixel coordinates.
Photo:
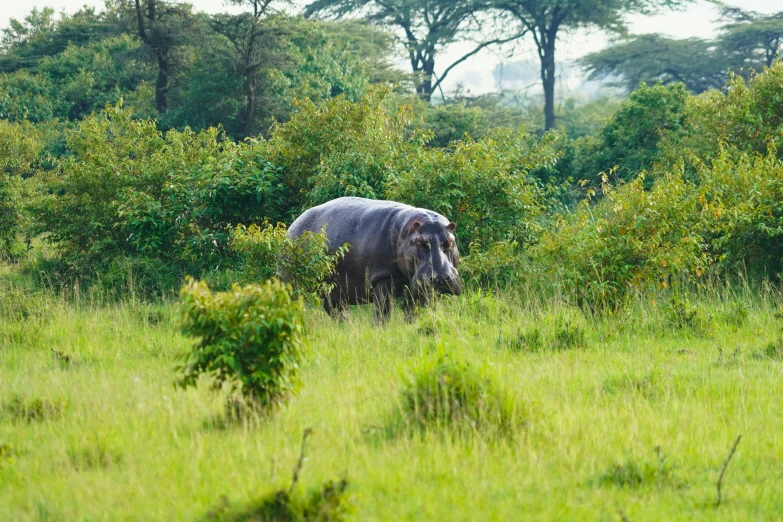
(249, 338)
(21, 149)
(446, 393)
(342, 148)
(481, 185)
(631, 239)
(741, 197)
(305, 262)
(630, 142)
(745, 116)
(126, 191)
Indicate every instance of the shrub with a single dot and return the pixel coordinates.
(328, 504)
(249, 337)
(499, 264)
(342, 148)
(481, 185)
(742, 209)
(21, 148)
(630, 239)
(32, 409)
(304, 261)
(629, 142)
(446, 393)
(126, 191)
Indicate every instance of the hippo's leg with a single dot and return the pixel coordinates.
(382, 296)
(335, 305)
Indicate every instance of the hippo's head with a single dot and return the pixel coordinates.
(431, 257)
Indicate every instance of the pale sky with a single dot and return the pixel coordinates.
(476, 73)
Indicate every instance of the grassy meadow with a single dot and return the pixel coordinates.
(629, 417)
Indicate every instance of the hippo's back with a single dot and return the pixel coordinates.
(357, 221)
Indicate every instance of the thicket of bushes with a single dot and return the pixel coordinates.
(675, 186)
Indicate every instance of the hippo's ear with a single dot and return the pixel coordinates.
(415, 226)
(451, 227)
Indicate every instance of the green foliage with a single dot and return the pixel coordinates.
(329, 504)
(340, 149)
(745, 117)
(127, 190)
(21, 150)
(741, 198)
(630, 239)
(266, 251)
(635, 474)
(483, 184)
(496, 265)
(450, 122)
(445, 393)
(630, 140)
(249, 338)
(32, 409)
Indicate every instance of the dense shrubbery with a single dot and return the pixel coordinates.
(249, 338)
(267, 252)
(482, 185)
(632, 238)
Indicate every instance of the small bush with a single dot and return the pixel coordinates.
(249, 337)
(97, 455)
(444, 393)
(32, 409)
(328, 504)
(569, 335)
(527, 340)
(681, 313)
(305, 261)
(7, 454)
(634, 474)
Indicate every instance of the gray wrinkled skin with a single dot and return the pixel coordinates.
(395, 250)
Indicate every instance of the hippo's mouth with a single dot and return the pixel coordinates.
(425, 288)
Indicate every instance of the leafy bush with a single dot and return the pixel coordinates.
(249, 337)
(630, 141)
(328, 504)
(745, 116)
(305, 261)
(21, 148)
(126, 190)
(630, 239)
(450, 122)
(481, 185)
(447, 393)
(343, 148)
(500, 264)
(742, 209)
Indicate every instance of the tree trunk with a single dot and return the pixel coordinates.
(162, 83)
(250, 105)
(424, 89)
(548, 81)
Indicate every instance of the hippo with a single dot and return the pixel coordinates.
(394, 250)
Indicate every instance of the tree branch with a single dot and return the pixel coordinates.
(498, 41)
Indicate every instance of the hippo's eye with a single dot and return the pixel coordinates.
(446, 245)
(424, 245)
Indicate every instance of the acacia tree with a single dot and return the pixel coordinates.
(752, 38)
(424, 27)
(747, 41)
(544, 20)
(652, 58)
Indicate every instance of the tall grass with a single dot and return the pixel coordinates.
(604, 399)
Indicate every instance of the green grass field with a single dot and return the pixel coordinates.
(626, 418)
